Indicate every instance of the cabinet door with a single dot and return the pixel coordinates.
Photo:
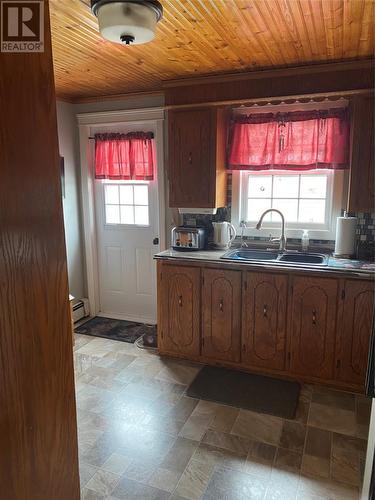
(191, 175)
(354, 331)
(221, 300)
(179, 309)
(313, 326)
(264, 320)
(362, 165)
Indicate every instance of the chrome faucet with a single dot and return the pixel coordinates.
(242, 226)
(282, 239)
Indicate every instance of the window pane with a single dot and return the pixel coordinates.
(312, 211)
(285, 186)
(141, 195)
(127, 215)
(126, 195)
(256, 207)
(313, 186)
(112, 214)
(141, 215)
(111, 194)
(260, 186)
(287, 207)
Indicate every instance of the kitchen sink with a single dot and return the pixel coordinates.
(247, 254)
(304, 258)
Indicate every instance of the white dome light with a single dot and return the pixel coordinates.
(128, 21)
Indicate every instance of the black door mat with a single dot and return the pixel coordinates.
(115, 329)
(246, 391)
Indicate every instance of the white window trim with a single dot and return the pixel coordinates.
(337, 184)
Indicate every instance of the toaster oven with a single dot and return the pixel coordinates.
(188, 238)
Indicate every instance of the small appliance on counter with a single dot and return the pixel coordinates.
(224, 234)
(189, 238)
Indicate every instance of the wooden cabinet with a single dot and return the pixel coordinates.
(354, 331)
(221, 309)
(264, 320)
(197, 174)
(179, 309)
(362, 168)
(313, 326)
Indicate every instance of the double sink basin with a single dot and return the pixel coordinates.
(247, 254)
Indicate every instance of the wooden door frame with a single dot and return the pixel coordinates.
(85, 122)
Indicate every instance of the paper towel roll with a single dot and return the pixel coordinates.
(345, 236)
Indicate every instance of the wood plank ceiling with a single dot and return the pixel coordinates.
(200, 37)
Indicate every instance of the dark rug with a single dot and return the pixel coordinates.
(247, 391)
(114, 329)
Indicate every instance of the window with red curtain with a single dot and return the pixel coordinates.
(301, 140)
(125, 156)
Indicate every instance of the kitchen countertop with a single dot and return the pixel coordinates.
(348, 267)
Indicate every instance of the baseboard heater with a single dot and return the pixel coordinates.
(80, 309)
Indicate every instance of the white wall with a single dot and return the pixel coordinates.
(68, 143)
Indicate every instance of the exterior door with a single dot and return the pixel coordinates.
(354, 331)
(221, 309)
(313, 326)
(127, 238)
(179, 310)
(264, 320)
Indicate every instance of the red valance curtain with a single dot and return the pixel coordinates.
(125, 156)
(301, 140)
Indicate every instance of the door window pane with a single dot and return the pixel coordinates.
(111, 194)
(313, 186)
(126, 195)
(127, 214)
(285, 186)
(141, 195)
(141, 215)
(126, 203)
(260, 186)
(112, 214)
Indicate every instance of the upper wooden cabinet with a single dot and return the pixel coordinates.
(197, 174)
(354, 331)
(313, 326)
(179, 309)
(264, 320)
(221, 308)
(362, 168)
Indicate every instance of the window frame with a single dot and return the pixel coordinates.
(336, 184)
(113, 225)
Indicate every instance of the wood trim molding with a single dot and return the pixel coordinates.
(271, 73)
(114, 97)
(320, 80)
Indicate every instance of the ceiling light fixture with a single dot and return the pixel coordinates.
(128, 21)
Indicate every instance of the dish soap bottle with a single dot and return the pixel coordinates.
(305, 240)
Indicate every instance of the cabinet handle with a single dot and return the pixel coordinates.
(190, 158)
(221, 305)
(265, 310)
(180, 300)
(314, 317)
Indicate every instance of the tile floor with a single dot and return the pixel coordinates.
(141, 438)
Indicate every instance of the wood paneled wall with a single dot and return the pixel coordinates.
(38, 434)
